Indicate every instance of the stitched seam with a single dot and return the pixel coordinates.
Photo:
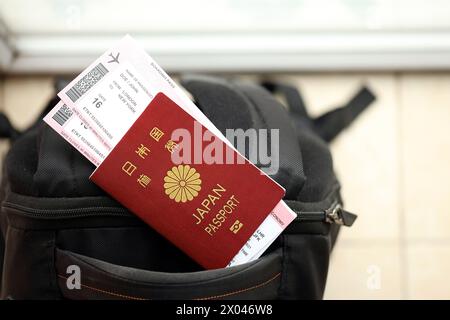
(107, 292)
(205, 298)
(242, 290)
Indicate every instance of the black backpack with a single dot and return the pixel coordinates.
(54, 220)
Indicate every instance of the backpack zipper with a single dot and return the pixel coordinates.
(69, 213)
(334, 214)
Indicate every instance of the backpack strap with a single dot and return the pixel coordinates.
(292, 96)
(329, 125)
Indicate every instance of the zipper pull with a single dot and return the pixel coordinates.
(339, 216)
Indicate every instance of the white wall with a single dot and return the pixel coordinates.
(63, 36)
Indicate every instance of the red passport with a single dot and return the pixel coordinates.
(208, 210)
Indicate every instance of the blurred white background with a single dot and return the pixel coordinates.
(393, 162)
(230, 35)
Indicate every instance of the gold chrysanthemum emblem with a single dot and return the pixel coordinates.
(182, 183)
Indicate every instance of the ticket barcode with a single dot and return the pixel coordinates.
(62, 115)
(88, 81)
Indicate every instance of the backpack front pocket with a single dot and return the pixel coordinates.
(82, 277)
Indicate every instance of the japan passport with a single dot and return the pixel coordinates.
(206, 208)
